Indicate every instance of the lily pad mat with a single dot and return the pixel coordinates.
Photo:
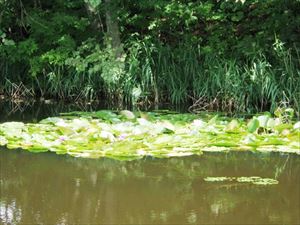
(126, 135)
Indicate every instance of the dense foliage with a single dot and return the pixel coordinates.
(239, 55)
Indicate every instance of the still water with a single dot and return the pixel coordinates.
(49, 189)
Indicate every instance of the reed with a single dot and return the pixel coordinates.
(160, 73)
(184, 74)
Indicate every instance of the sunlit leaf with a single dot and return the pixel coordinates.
(127, 114)
(253, 125)
(232, 126)
(94, 3)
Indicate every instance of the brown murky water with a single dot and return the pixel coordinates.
(50, 189)
(46, 188)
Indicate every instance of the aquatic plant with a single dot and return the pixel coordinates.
(251, 180)
(127, 135)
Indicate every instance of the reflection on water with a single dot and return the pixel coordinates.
(46, 188)
(9, 213)
(35, 111)
(50, 189)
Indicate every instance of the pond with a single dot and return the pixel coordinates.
(60, 189)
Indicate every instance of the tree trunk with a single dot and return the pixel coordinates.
(95, 17)
(112, 27)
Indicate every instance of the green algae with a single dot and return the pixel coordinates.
(127, 135)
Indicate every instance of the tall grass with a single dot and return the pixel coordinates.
(183, 74)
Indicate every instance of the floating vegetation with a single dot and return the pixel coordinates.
(127, 135)
(253, 180)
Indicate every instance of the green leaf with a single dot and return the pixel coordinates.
(282, 127)
(9, 42)
(127, 114)
(253, 125)
(237, 17)
(289, 112)
(213, 120)
(93, 3)
(168, 127)
(232, 126)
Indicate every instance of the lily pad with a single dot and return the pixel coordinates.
(253, 125)
(106, 134)
(250, 180)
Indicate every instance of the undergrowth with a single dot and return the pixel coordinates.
(149, 73)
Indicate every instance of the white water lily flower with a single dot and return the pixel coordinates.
(177, 138)
(167, 125)
(123, 127)
(62, 138)
(263, 120)
(224, 122)
(199, 123)
(26, 137)
(193, 132)
(56, 143)
(123, 136)
(104, 126)
(212, 129)
(107, 135)
(296, 125)
(277, 121)
(12, 129)
(144, 122)
(141, 152)
(138, 130)
(61, 123)
(155, 131)
(40, 139)
(250, 138)
(79, 124)
(163, 139)
(91, 130)
(37, 137)
(3, 141)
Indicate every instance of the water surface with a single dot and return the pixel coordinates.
(47, 188)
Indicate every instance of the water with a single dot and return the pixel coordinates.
(49, 189)
(35, 111)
